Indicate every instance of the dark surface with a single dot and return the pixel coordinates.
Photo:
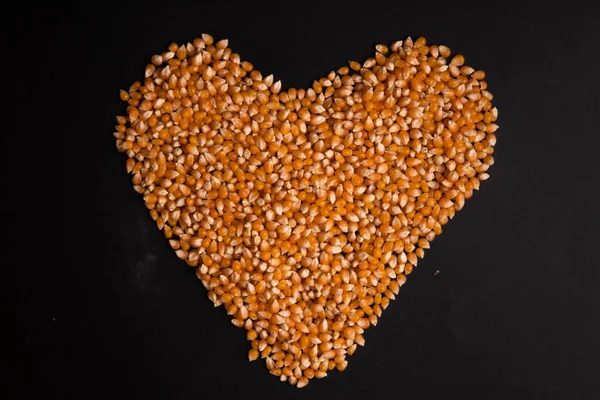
(105, 310)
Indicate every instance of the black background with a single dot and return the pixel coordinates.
(105, 310)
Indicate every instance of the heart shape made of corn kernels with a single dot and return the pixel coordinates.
(303, 211)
